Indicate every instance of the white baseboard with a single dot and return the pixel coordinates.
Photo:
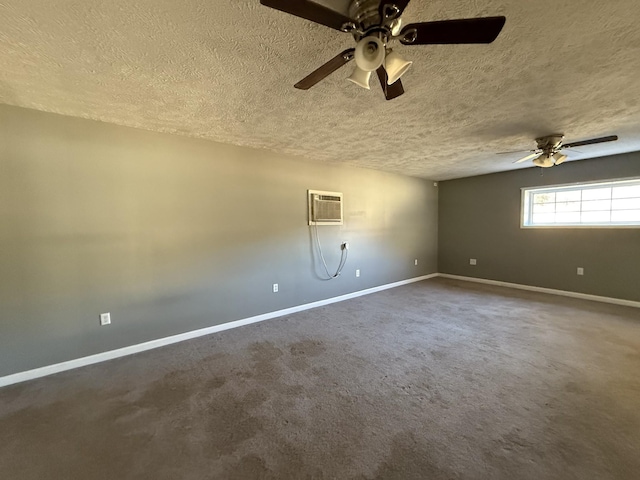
(161, 342)
(552, 291)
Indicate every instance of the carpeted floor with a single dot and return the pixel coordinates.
(435, 380)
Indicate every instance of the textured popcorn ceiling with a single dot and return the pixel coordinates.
(224, 70)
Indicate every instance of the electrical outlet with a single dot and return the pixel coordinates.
(345, 245)
(415, 262)
(357, 273)
(105, 319)
(473, 261)
(580, 271)
(275, 288)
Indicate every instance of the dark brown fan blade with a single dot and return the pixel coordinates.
(468, 30)
(325, 70)
(310, 11)
(392, 8)
(610, 138)
(390, 91)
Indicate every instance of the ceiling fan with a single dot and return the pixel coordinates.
(547, 154)
(375, 24)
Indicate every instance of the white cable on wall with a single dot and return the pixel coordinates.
(343, 257)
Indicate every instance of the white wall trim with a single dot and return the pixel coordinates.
(161, 342)
(552, 291)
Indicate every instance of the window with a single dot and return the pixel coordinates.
(603, 204)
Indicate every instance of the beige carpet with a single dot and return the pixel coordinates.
(435, 380)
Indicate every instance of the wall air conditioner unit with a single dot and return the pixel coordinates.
(325, 208)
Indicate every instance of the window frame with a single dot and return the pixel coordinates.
(527, 194)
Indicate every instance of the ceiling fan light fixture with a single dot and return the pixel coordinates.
(396, 66)
(360, 77)
(545, 161)
(369, 54)
(559, 158)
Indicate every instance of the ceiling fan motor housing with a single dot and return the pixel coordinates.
(550, 142)
(366, 13)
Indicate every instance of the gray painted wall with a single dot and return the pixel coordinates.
(172, 234)
(480, 218)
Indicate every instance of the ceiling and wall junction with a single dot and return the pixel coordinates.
(224, 70)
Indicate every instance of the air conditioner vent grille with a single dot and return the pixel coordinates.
(325, 208)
